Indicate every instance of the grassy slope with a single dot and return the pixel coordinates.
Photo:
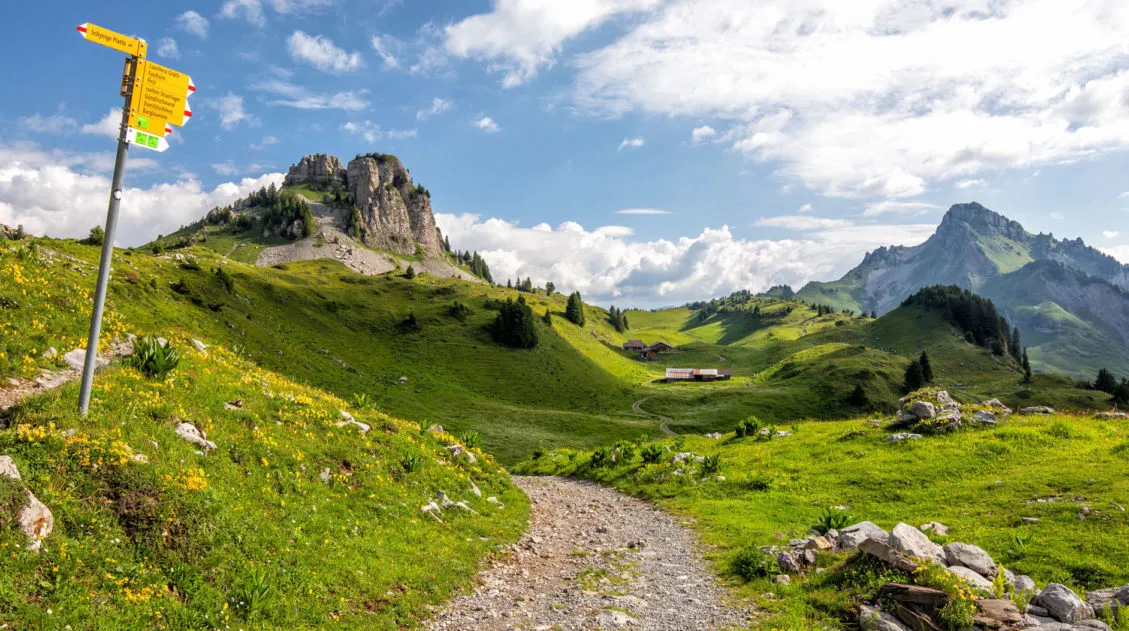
(776, 490)
(180, 541)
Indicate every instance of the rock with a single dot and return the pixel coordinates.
(456, 450)
(1037, 409)
(347, 419)
(49, 381)
(911, 541)
(782, 579)
(1038, 611)
(888, 555)
(1112, 598)
(1093, 624)
(852, 536)
(984, 417)
(237, 404)
(35, 519)
(200, 347)
(971, 557)
(326, 475)
(192, 434)
(432, 509)
(922, 410)
(902, 436)
(474, 489)
(974, 580)
(999, 405)
(13, 383)
(871, 619)
(997, 613)
(904, 417)
(1030, 520)
(782, 434)
(949, 419)
(435, 429)
(1063, 604)
(319, 169)
(1106, 416)
(818, 543)
(1024, 583)
(682, 457)
(396, 213)
(936, 527)
(50, 352)
(76, 359)
(614, 618)
(794, 561)
(913, 595)
(715, 435)
(874, 422)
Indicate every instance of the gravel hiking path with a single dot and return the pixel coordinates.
(664, 421)
(593, 558)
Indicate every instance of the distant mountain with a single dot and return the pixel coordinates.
(1070, 301)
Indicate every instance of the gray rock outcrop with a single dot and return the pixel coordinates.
(35, 519)
(909, 540)
(1063, 604)
(852, 536)
(319, 169)
(397, 214)
(971, 557)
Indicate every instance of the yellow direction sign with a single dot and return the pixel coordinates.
(160, 96)
(110, 39)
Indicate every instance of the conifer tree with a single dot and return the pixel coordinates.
(1105, 382)
(926, 368)
(1015, 346)
(550, 288)
(1121, 394)
(514, 325)
(547, 318)
(1026, 367)
(574, 312)
(914, 378)
(410, 273)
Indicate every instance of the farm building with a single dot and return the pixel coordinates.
(634, 345)
(697, 374)
(659, 347)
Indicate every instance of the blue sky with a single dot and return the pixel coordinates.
(773, 141)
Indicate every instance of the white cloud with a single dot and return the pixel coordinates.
(703, 133)
(166, 47)
(53, 124)
(1110, 234)
(225, 168)
(265, 142)
(869, 98)
(630, 143)
(643, 211)
(231, 111)
(193, 23)
(1120, 253)
(1124, 195)
(109, 125)
(487, 125)
(518, 37)
(321, 53)
(898, 208)
(802, 222)
(385, 46)
(605, 265)
(368, 130)
(806, 208)
(288, 94)
(402, 134)
(967, 184)
(1056, 216)
(253, 12)
(438, 106)
(44, 192)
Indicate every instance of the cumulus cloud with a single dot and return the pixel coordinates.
(321, 53)
(703, 133)
(49, 193)
(253, 10)
(876, 99)
(803, 222)
(167, 48)
(53, 124)
(806, 208)
(109, 125)
(606, 265)
(519, 37)
(630, 143)
(402, 134)
(643, 211)
(193, 23)
(385, 47)
(264, 143)
(231, 112)
(276, 83)
(1124, 195)
(1110, 234)
(487, 125)
(437, 107)
(368, 130)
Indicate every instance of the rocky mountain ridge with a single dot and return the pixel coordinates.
(1062, 294)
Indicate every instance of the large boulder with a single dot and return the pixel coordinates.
(1112, 598)
(999, 405)
(871, 619)
(852, 536)
(76, 359)
(978, 583)
(192, 434)
(971, 557)
(922, 410)
(998, 614)
(984, 417)
(911, 541)
(1037, 409)
(1063, 604)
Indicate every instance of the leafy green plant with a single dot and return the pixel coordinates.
(748, 427)
(750, 563)
(603, 457)
(1117, 619)
(958, 614)
(680, 443)
(711, 464)
(538, 452)
(471, 439)
(833, 518)
(1000, 584)
(624, 452)
(758, 482)
(254, 592)
(361, 400)
(651, 453)
(153, 359)
(411, 463)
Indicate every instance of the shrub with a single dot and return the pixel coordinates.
(226, 279)
(748, 427)
(652, 453)
(711, 464)
(471, 439)
(832, 519)
(603, 457)
(750, 563)
(96, 237)
(153, 359)
(361, 400)
(410, 273)
(459, 311)
(514, 325)
(624, 452)
(411, 463)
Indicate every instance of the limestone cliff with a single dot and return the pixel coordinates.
(320, 170)
(397, 213)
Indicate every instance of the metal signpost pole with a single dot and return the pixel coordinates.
(107, 252)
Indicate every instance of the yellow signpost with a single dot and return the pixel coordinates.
(155, 97)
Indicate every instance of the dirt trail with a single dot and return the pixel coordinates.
(594, 558)
(664, 421)
(13, 390)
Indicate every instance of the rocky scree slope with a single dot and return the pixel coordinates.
(996, 257)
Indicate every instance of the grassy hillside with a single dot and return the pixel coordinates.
(292, 522)
(980, 482)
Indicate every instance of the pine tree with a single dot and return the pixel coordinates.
(547, 318)
(626, 325)
(574, 312)
(1026, 367)
(1121, 394)
(514, 325)
(509, 284)
(447, 243)
(926, 368)
(914, 377)
(858, 397)
(621, 323)
(1015, 345)
(410, 273)
(550, 288)
(1105, 382)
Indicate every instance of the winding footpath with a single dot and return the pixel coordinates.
(664, 421)
(593, 558)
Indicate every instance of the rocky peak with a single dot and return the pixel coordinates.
(318, 169)
(972, 216)
(396, 212)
